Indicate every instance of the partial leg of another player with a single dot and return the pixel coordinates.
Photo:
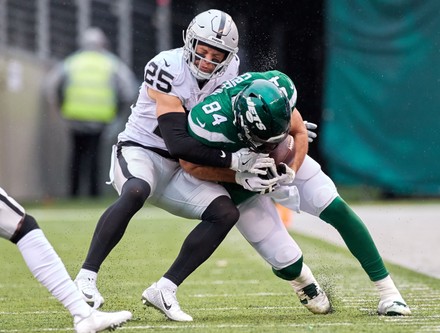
(46, 266)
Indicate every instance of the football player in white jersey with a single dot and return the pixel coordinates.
(46, 266)
(145, 163)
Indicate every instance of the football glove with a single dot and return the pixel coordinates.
(285, 175)
(310, 128)
(255, 183)
(246, 160)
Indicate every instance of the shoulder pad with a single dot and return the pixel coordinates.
(167, 65)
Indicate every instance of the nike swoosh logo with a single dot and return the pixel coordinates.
(202, 125)
(166, 64)
(87, 295)
(247, 182)
(165, 303)
(246, 162)
(223, 154)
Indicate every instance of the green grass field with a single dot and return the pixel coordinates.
(234, 291)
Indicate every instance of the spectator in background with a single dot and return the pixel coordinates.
(90, 87)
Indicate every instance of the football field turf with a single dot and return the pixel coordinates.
(234, 291)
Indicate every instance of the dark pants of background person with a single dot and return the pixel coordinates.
(84, 165)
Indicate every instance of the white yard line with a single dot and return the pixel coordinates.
(406, 235)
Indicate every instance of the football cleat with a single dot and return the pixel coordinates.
(164, 300)
(99, 321)
(87, 286)
(314, 299)
(393, 308)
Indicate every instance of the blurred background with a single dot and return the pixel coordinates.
(367, 72)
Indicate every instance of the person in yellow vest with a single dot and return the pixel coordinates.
(89, 88)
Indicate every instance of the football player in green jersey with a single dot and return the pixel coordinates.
(236, 116)
(261, 225)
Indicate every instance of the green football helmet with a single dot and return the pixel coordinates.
(262, 116)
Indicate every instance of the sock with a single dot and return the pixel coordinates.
(304, 279)
(47, 267)
(387, 290)
(91, 275)
(290, 272)
(167, 284)
(356, 236)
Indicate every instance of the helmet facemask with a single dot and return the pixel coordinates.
(219, 67)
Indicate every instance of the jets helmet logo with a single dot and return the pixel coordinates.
(252, 115)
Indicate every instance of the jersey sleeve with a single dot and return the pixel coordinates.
(164, 73)
(212, 123)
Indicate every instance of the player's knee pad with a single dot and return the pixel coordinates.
(317, 193)
(222, 210)
(136, 190)
(290, 272)
(28, 224)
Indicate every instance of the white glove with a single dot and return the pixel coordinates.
(246, 160)
(285, 175)
(288, 196)
(254, 183)
(310, 128)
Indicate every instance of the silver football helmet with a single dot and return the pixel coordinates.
(215, 29)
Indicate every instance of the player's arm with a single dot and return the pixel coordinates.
(172, 121)
(173, 124)
(299, 132)
(203, 172)
(249, 181)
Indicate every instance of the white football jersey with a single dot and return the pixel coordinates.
(168, 73)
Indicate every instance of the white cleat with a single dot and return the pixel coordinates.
(314, 299)
(99, 321)
(393, 308)
(87, 287)
(164, 300)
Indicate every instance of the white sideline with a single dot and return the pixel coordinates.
(405, 234)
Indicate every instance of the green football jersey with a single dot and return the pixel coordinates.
(212, 121)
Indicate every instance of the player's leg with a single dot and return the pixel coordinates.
(319, 197)
(75, 162)
(93, 152)
(192, 198)
(46, 266)
(134, 175)
(260, 224)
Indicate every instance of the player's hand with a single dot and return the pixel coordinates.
(310, 130)
(246, 160)
(255, 183)
(285, 175)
